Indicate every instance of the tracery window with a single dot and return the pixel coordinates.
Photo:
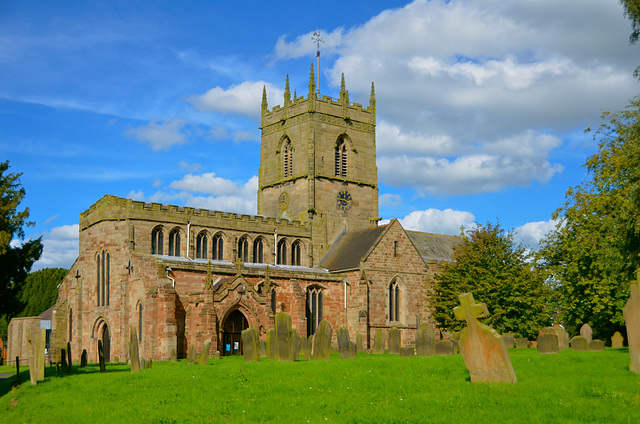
(313, 309)
(282, 252)
(287, 159)
(174, 242)
(157, 241)
(201, 245)
(258, 251)
(295, 253)
(243, 249)
(341, 159)
(394, 301)
(218, 247)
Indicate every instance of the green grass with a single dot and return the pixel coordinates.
(574, 387)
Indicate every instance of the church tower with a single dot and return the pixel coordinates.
(318, 163)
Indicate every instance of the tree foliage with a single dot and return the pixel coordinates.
(40, 291)
(632, 12)
(15, 260)
(594, 250)
(489, 264)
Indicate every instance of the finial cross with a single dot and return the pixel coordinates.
(469, 309)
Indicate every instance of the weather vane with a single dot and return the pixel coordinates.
(316, 39)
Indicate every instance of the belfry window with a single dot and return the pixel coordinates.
(103, 271)
(243, 249)
(201, 245)
(157, 241)
(287, 159)
(258, 251)
(394, 301)
(341, 159)
(313, 309)
(218, 247)
(295, 253)
(174, 243)
(282, 252)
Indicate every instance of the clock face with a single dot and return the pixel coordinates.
(283, 201)
(344, 200)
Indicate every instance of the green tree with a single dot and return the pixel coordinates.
(632, 12)
(40, 290)
(15, 260)
(594, 250)
(489, 264)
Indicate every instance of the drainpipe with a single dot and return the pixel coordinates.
(188, 235)
(346, 322)
(275, 246)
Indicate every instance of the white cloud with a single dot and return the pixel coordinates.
(437, 221)
(161, 135)
(242, 99)
(388, 199)
(205, 183)
(60, 247)
(191, 167)
(303, 45)
(531, 233)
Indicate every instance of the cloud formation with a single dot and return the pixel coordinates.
(60, 247)
(437, 221)
(161, 135)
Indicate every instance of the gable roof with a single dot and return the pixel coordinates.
(437, 247)
(350, 247)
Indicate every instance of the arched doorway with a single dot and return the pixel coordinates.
(106, 343)
(232, 333)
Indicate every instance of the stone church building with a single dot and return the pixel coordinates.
(183, 275)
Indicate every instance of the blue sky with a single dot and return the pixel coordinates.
(481, 104)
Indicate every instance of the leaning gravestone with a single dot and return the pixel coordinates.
(192, 355)
(579, 343)
(378, 342)
(548, 343)
(344, 343)
(509, 340)
(631, 314)
(204, 357)
(425, 340)
(394, 341)
(617, 340)
(483, 350)
(322, 341)
(596, 345)
(284, 341)
(586, 332)
(522, 343)
(407, 352)
(444, 347)
(133, 350)
(250, 345)
(100, 356)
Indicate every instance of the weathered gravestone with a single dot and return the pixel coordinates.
(174, 355)
(322, 341)
(149, 364)
(425, 340)
(216, 355)
(250, 345)
(133, 350)
(579, 343)
(617, 340)
(359, 343)
(378, 342)
(596, 345)
(305, 348)
(548, 343)
(70, 364)
(272, 344)
(407, 352)
(263, 348)
(63, 361)
(586, 332)
(100, 356)
(394, 341)
(192, 355)
(143, 363)
(631, 314)
(444, 347)
(483, 350)
(284, 339)
(204, 357)
(563, 336)
(344, 344)
(509, 340)
(295, 355)
(32, 348)
(83, 357)
(522, 343)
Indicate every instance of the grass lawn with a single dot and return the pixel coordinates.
(573, 387)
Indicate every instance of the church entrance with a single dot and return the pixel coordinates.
(232, 333)
(106, 343)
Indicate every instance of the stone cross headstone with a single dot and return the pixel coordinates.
(522, 343)
(586, 332)
(378, 342)
(83, 357)
(250, 345)
(631, 313)
(284, 340)
(394, 341)
(596, 345)
(425, 340)
(444, 347)
(322, 341)
(483, 350)
(579, 343)
(133, 350)
(344, 344)
(617, 340)
(204, 357)
(359, 343)
(192, 355)
(548, 343)
(509, 340)
(100, 356)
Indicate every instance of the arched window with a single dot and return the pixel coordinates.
(103, 278)
(341, 158)
(70, 323)
(243, 249)
(157, 241)
(313, 309)
(258, 251)
(295, 253)
(98, 279)
(394, 301)
(174, 242)
(287, 159)
(140, 322)
(273, 299)
(282, 252)
(201, 245)
(218, 247)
